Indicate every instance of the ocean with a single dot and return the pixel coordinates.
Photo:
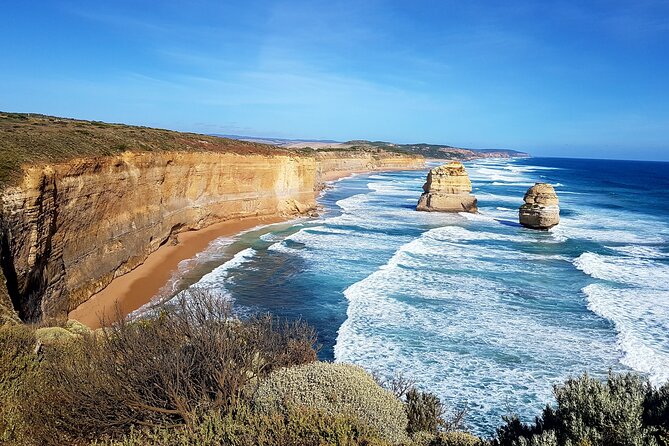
(473, 307)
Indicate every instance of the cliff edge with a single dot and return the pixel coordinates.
(85, 202)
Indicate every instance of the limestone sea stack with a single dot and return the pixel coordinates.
(540, 210)
(447, 189)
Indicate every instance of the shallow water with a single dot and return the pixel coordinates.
(475, 308)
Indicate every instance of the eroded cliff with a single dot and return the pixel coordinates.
(69, 228)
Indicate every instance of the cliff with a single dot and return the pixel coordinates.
(67, 228)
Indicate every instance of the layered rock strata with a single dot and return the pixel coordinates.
(541, 208)
(448, 189)
(68, 229)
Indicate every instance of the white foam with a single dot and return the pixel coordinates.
(486, 197)
(517, 183)
(220, 274)
(641, 317)
(652, 252)
(435, 312)
(625, 270)
(636, 299)
(587, 228)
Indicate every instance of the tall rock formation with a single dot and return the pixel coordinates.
(447, 189)
(540, 210)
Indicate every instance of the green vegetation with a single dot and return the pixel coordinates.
(18, 369)
(30, 138)
(336, 390)
(435, 151)
(193, 375)
(625, 410)
(298, 427)
(424, 410)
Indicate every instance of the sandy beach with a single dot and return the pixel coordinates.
(130, 291)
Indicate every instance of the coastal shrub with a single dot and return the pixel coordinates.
(336, 389)
(398, 384)
(594, 413)
(547, 438)
(18, 370)
(656, 413)
(456, 438)
(191, 358)
(424, 411)
(422, 438)
(242, 427)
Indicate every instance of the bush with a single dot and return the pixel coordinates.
(337, 390)
(18, 370)
(193, 358)
(456, 438)
(297, 427)
(546, 438)
(656, 412)
(594, 413)
(424, 411)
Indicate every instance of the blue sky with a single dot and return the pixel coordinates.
(585, 78)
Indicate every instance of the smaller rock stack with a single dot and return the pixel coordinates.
(540, 210)
(447, 189)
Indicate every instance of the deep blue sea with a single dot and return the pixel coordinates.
(483, 312)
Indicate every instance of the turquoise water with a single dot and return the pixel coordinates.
(483, 312)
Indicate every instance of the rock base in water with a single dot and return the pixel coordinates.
(447, 203)
(540, 210)
(448, 190)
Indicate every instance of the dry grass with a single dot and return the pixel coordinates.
(29, 138)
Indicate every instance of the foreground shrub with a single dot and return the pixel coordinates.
(18, 370)
(456, 438)
(337, 390)
(656, 412)
(424, 411)
(594, 413)
(295, 427)
(193, 358)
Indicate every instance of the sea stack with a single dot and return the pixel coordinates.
(540, 210)
(447, 189)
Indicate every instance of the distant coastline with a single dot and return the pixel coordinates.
(437, 151)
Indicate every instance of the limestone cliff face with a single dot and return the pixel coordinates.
(540, 210)
(334, 164)
(68, 229)
(448, 189)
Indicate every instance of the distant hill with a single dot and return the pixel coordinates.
(441, 151)
(434, 151)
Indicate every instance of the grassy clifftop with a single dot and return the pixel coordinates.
(29, 138)
(33, 138)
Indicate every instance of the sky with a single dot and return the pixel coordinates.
(583, 78)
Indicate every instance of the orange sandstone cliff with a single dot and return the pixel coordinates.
(68, 228)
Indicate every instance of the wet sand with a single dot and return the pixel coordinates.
(130, 291)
